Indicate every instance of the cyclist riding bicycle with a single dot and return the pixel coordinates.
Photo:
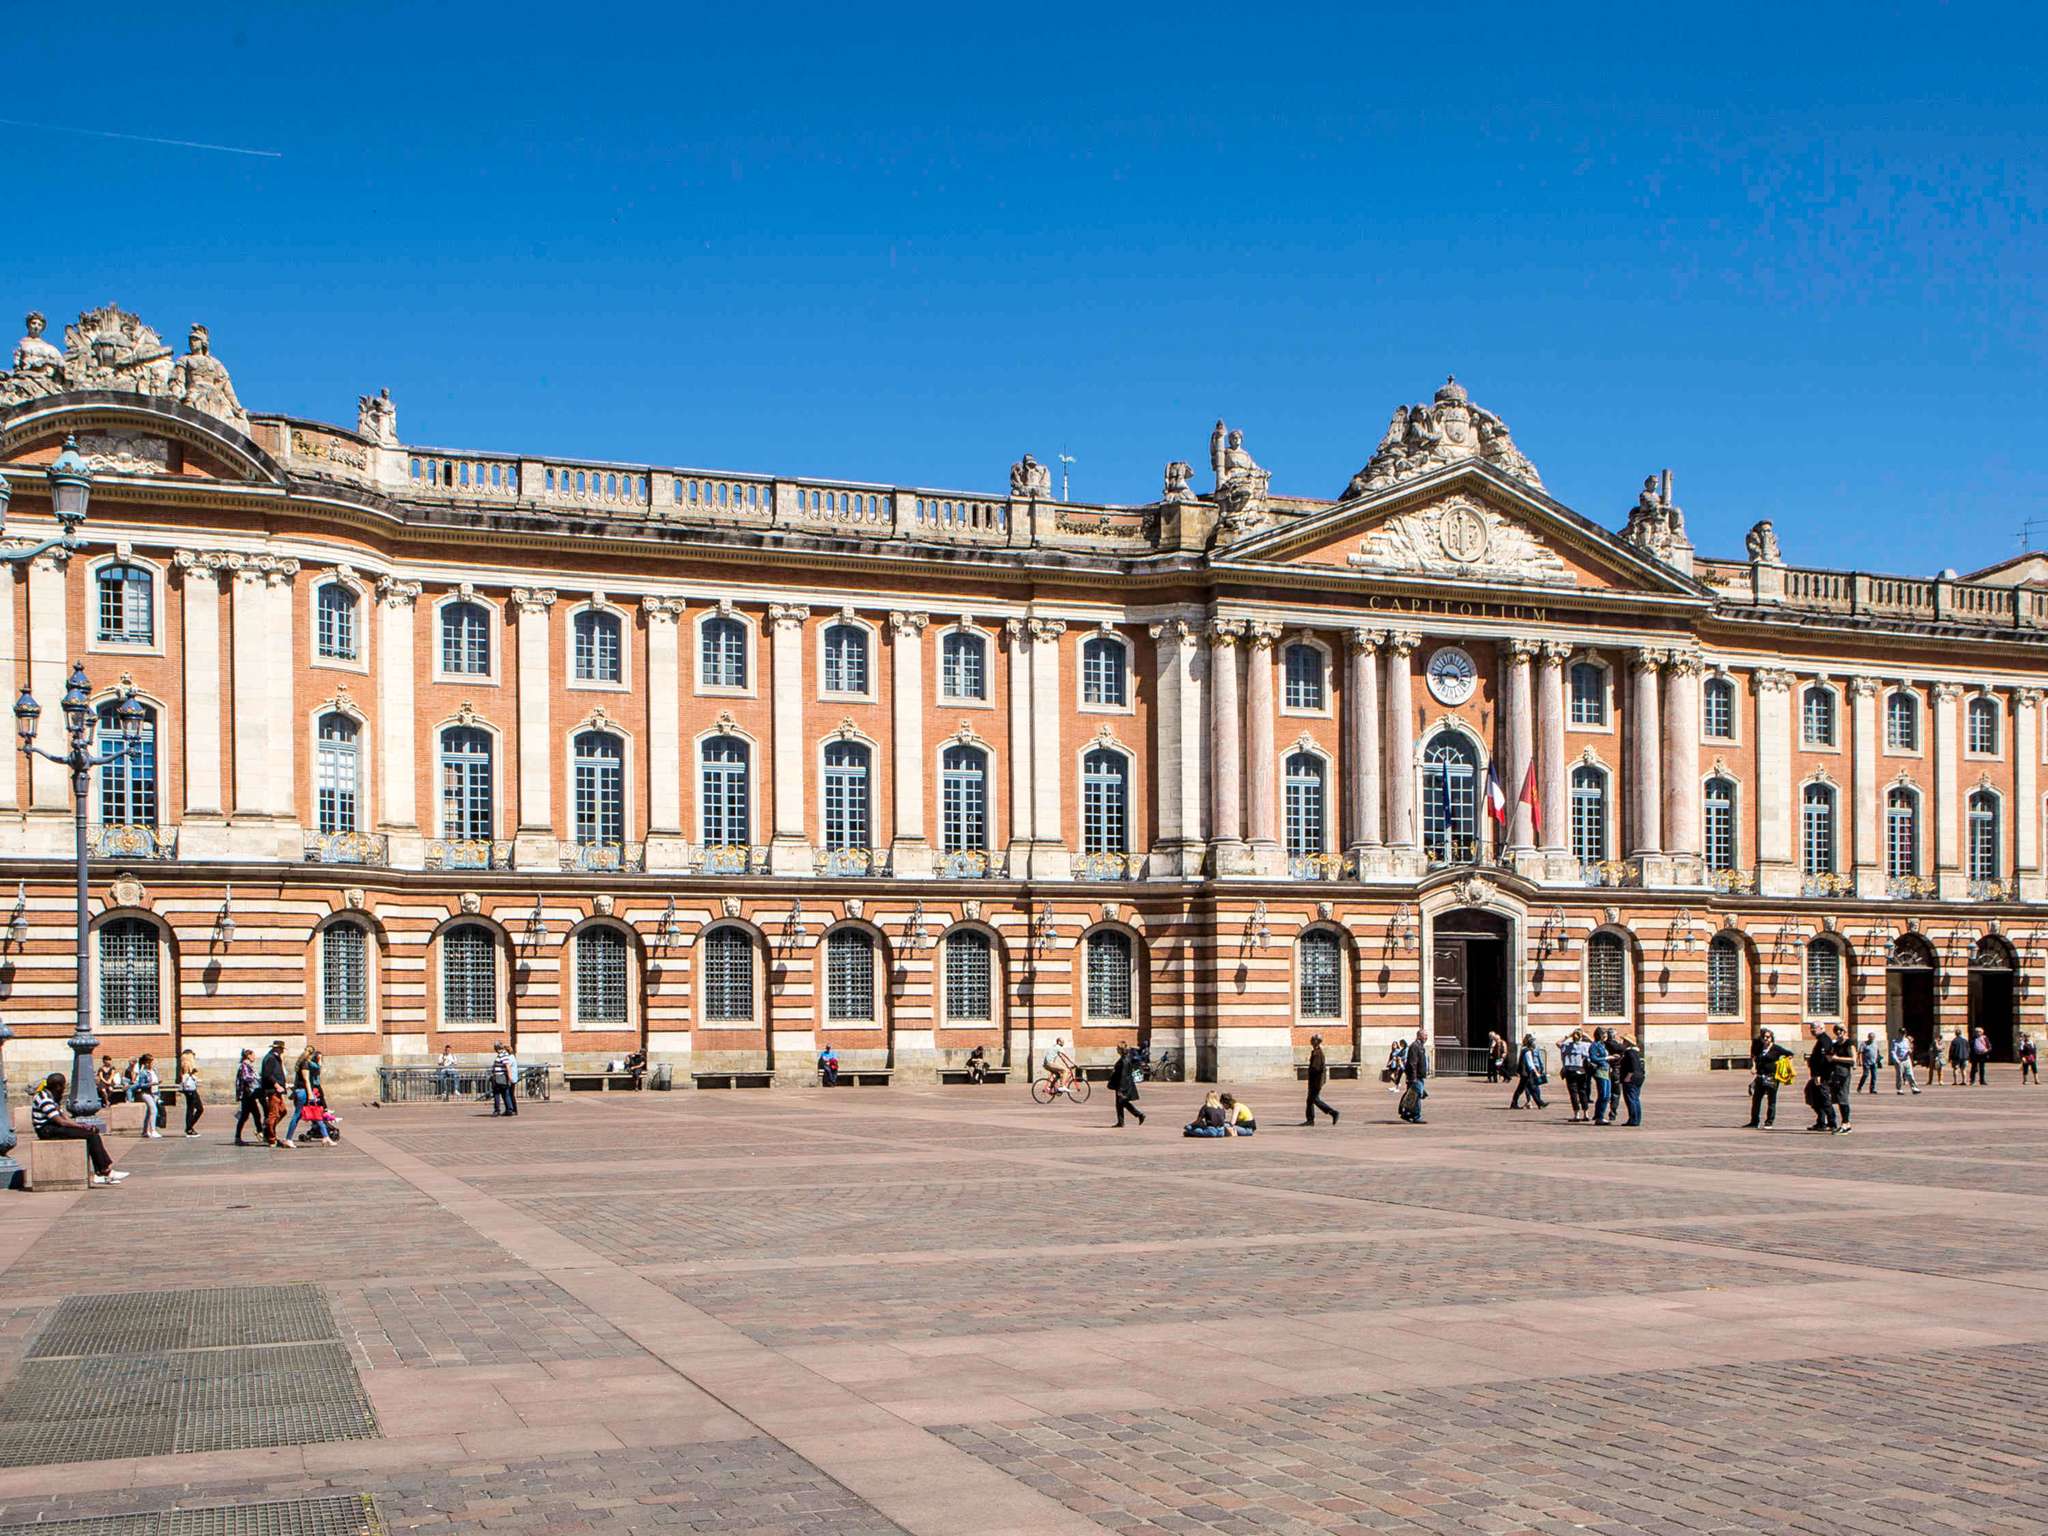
(1059, 1066)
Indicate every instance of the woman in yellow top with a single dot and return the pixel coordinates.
(1238, 1117)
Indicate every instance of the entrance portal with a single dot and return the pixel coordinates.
(1469, 986)
(1909, 995)
(1991, 996)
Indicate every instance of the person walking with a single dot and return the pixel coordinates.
(188, 1090)
(1868, 1059)
(2030, 1067)
(1958, 1058)
(1318, 1076)
(273, 1082)
(147, 1082)
(1842, 1052)
(1496, 1056)
(1629, 1074)
(1123, 1083)
(1980, 1058)
(1820, 1066)
(1571, 1065)
(1902, 1065)
(1416, 1065)
(1764, 1055)
(1529, 1075)
(305, 1083)
(248, 1104)
(47, 1119)
(504, 1081)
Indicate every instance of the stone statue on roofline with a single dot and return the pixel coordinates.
(36, 359)
(1241, 485)
(1177, 486)
(1449, 428)
(110, 349)
(201, 380)
(1656, 525)
(377, 419)
(1762, 544)
(1030, 480)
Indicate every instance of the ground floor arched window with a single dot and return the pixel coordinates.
(131, 995)
(469, 977)
(1108, 985)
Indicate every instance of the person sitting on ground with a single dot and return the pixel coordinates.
(1210, 1119)
(1237, 1116)
(50, 1123)
(977, 1065)
(1059, 1066)
(828, 1067)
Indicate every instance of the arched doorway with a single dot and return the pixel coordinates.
(1909, 994)
(1469, 971)
(1992, 974)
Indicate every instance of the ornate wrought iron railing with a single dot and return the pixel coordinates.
(606, 858)
(131, 840)
(347, 848)
(468, 853)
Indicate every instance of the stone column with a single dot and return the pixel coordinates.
(1865, 829)
(1683, 834)
(1226, 747)
(2026, 791)
(1402, 829)
(1183, 750)
(10, 682)
(789, 849)
(201, 571)
(1017, 634)
(1261, 792)
(1362, 782)
(666, 839)
(397, 811)
(1643, 762)
(1049, 853)
(1948, 746)
(49, 625)
(911, 851)
(1553, 801)
(264, 730)
(1519, 722)
(536, 843)
(1777, 872)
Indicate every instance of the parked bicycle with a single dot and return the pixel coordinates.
(1165, 1067)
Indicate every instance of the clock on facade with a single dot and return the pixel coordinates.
(1451, 674)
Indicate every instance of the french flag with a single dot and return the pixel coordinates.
(1496, 798)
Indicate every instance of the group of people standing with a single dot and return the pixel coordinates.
(1834, 1057)
(1602, 1068)
(141, 1083)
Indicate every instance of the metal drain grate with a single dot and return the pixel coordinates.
(341, 1515)
(151, 1321)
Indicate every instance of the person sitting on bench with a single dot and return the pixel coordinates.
(977, 1065)
(828, 1066)
(50, 1123)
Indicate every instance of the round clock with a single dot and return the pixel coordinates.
(1452, 676)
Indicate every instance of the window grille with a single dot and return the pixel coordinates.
(1322, 975)
(344, 977)
(129, 996)
(469, 975)
(1109, 975)
(1606, 977)
(601, 977)
(1724, 978)
(1823, 978)
(728, 975)
(849, 976)
(969, 993)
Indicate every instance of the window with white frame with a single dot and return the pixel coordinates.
(1724, 978)
(1717, 709)
(1902, 721)
(1589, 814)
(1103, 668)
(1980, 726)
(1320, 957)
(724, 793)
(1588, 689)
(600, 789)
(1901, 833)
(466, 810)
(963, 799)
(1107, 985)
(963, 666)
(970, 970)
(849, 976)
(1983, 835)
(722, 652)
(846, 659)
(602, 967)
(1823, 978)
(128, 794)
(1817, 830)
(728, 976)
(1105, 802)
(1305, 800)
(1717, 809)
(1606, 977)
(847, 796)
(344, 976)
(1817, 716)
(1450, 799)
(596, 641)
(127, 604)
(130, 995)
(338, 773)
(465, 640)
(469, 975)
(1302, 666)
(335, 611)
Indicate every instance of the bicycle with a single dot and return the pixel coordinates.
(1043, 1091)
(1162, 1068)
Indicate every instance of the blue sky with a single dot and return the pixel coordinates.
(1796, 254)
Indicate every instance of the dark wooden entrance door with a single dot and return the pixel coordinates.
(1468, 982)
(1991, 1011)
(1447, 980)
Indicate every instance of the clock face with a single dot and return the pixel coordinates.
(1452, 676)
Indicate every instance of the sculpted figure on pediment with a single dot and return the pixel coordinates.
(108, 348)
(377, 419)
(201, 380)
(38, 365)
(1030, 480)
(1421, 438)
(1459, 538)
(1241, 484)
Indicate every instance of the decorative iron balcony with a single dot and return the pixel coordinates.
(1826, 885)
(1108, 866)
(347, 848)
(131, 840)
(468, 853)
(606, 858)
(1317, 866)
(728, 859)
(855, 862)
(1611, 872)
(971, 864)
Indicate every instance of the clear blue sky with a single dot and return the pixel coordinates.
(1796, 253)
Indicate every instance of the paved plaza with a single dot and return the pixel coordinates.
(951, 1311)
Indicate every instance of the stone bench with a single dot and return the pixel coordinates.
(1728, 1063)
(962, 1075)
(51, 1164)
(1335, 1069)
(862, 1077)
(599, 1082)
(754, 1079)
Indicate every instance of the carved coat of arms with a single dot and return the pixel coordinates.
(1460, 538)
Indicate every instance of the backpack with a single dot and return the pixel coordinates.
(1781, 1070)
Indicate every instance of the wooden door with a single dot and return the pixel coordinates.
(1448, 986)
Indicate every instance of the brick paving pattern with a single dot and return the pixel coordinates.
(486, 1322)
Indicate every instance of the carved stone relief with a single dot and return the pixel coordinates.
(1463, 538)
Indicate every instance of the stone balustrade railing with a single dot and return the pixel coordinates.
(1859, 594)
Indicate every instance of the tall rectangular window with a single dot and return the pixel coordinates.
(601, 965)
(724, 793)
(1724, 978)
(1104, 807)
(849, 976)
(1606, 977)
(963, 666)
(1717, 709)
(728, 976)
(335, 626)
(1102, 671)
(1322, 975)
(344, 977)
(963, 800)
(847, 823)
(1718, 810)
(1304, 804)
(722, 653)
(969, 993)
(1589, 815)
(469, 975)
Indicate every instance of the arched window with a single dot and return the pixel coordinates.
(1589, 814)
(1102, 671)
(466, 640)
(128, 785)
(1980, 726)
(970, 995)
(1817, 716)
(1588, 684)
(1304, 804)
(1717, 709)
(1320, 956)
(724, 797)
(1303, 666)
(1450, 799)
(1108, 982)
(963, 666)
(1901, 833)
(963, 800)
(1105, 802)
(466, 784)
(127, 607)
(597, 647)
(601, 971)
(469, 976)
(728, 976)
(846, 659)
(849, 976)
(722, 653)
(334, 623)
(847, 796)
(1983, 856)
(1823, 978)
(600, 790)
(338, 773)
(1902, 721)
(1724, 978)
(1606, 977)
(129, 993)
(1817, 830)
(344, 976)
(1717, 807)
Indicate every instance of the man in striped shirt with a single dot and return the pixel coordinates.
(46, 1116)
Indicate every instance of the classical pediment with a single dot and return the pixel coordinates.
(120, 434)
(1459, 536)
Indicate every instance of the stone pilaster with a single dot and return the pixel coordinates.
(1777, 871)
(1362, 780)
(200, 572)
(1518, 722)
(535, 844)
(49, 630)
(1049, 852)
(1017, 636)
(1262, 794)
(1226, 748)
(1947, 745)
(1684, 838)
(1183, 750)
(397, 810)
(1645, 759)
(789, 849)
(1403, 831)
(1553, 800)
(666, 839)
(265, 726)
(1865, 834)
(910, 854)
(2026, 791)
